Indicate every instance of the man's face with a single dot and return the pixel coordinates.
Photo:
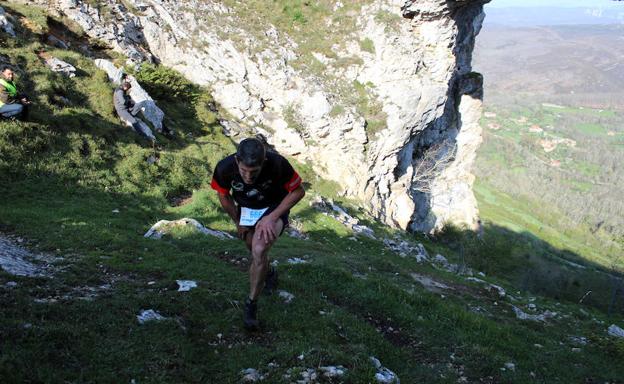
(248, 174)
(7, 74)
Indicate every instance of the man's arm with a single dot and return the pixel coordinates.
(227, 202)
(118, 101)
(266, 226)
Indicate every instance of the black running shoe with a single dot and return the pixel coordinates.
(249, 315)
(270, 282)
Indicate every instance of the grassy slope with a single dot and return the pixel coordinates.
(578, 197)
(67, 171)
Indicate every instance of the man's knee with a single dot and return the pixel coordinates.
(259, 247)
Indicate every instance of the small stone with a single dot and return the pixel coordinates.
(332, 371)
(296, 260)
(510, 366)
(186, 285)
(616, 331)
(576, 350)
(149, 315)
(115, 211)
(287, 296)
(251, 375)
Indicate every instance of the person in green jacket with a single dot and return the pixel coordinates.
(12, 103)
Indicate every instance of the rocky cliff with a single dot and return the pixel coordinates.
(378, 96)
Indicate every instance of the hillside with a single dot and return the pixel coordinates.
(80, 191)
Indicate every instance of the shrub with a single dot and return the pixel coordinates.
(164, 83)
(367, 45)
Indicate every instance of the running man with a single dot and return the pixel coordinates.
(257, 189)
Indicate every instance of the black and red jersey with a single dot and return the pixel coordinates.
(276, 179)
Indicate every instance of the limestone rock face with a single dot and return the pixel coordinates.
(5, 23)
(408, 161)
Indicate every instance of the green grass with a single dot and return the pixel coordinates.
(591, 129)
(78, 185)
(367, 45)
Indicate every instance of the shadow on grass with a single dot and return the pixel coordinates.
(532, 264)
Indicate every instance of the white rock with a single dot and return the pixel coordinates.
(333, 371)
(500, 290)
(422, 254)
(251, 375)
(440, 259)
(510, 366)
(476, 280)
(5, 24)
(149, 315)
(616, 331)
(525, 316)
(334, 210)
(163, 227)
(287, 296)
(186, 285)
(296, 260)
(430, 284)
(384, 375)
(58, 65)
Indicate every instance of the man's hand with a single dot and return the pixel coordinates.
(242, 232)
(265, 229)
(25, 101)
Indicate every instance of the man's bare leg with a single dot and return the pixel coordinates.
(260, 262)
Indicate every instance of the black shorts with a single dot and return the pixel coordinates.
(283, 217)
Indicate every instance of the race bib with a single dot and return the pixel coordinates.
(249, 217)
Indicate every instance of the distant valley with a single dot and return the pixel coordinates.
(554, 134)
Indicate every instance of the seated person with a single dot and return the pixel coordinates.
(127, 110)
(12, 103)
